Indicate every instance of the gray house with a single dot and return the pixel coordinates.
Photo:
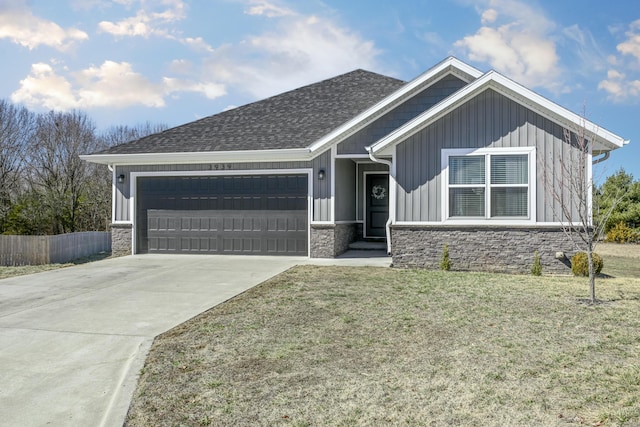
(453, 157)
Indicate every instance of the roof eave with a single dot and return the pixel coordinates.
(281, 155)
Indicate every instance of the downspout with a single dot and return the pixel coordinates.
(601, 159)
(392, 182)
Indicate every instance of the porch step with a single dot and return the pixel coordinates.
(363, 245)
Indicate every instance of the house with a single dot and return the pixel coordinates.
(453, 157)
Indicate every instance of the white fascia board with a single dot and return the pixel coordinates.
(450, 65)
(285, 155)
(509, 88)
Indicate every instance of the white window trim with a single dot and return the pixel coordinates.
(530, 151)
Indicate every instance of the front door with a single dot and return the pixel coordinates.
(376, 204)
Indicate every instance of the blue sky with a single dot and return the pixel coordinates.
(174, 61)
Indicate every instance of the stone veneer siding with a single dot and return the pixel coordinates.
(481, 248)
(331, 240)
(121, 239)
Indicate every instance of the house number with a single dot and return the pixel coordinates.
(222, 166)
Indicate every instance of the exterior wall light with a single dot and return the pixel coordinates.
(321, 174)
(120, 178)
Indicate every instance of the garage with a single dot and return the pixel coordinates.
(230, 214)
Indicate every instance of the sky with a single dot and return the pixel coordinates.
(127, 62)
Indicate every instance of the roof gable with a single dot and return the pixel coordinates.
(605, 140)
(450, 66)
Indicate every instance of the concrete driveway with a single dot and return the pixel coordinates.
(73, 340)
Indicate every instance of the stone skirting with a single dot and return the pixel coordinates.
(121, 239)
(331, 240)
(495, 249)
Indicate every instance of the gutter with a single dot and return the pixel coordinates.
(392, 182)
(193, 157)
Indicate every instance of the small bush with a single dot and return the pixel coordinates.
(445, 264)
(580, 264)
(536, 268)
(621, 233)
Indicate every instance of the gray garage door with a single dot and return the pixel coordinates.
(254, 214)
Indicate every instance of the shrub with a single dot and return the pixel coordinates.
(445, 264)
(580, 264)
(621, 233)
(536, 268)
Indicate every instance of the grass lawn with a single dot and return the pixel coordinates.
(342, 346)
(22, 270)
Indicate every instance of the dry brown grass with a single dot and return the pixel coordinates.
(6, 272)
(318, 346)
(628, 250)
(22, 270)
(620, 260)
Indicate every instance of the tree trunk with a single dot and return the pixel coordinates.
(592, 273)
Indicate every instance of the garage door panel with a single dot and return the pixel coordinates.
(248, 231)
(254, 214)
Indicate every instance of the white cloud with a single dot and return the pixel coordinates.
(516, 39)
(116, 85)
(44, 88)
(619, 86)
(181, 66)
(489, 16)
(197, 44)
(146, 21)
(208, 89)
(112, 84)
(263, 7)
(18, 24)
(303, 50)
(298, 50)
(631, 46)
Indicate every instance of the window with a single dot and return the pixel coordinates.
(488, 183)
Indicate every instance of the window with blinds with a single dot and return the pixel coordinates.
(488, 186)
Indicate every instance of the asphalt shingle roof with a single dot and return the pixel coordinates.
(293, 119)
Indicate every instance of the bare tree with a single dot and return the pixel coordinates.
(16, 127)
(56, 172)
(569, 183)
(116, 135)
(97, 209)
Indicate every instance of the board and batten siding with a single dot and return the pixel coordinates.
(322, 188)
(488, 120)
(345, 196)
(400, 115)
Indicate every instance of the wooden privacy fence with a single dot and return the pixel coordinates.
(34, 250)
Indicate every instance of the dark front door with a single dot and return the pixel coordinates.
(377, 204)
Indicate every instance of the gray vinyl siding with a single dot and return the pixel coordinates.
(400, 115)
(321, 196)
(362, 168)
(322, 188)
(345, 197)
(488, 120)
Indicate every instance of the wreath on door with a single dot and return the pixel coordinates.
(378, 192)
